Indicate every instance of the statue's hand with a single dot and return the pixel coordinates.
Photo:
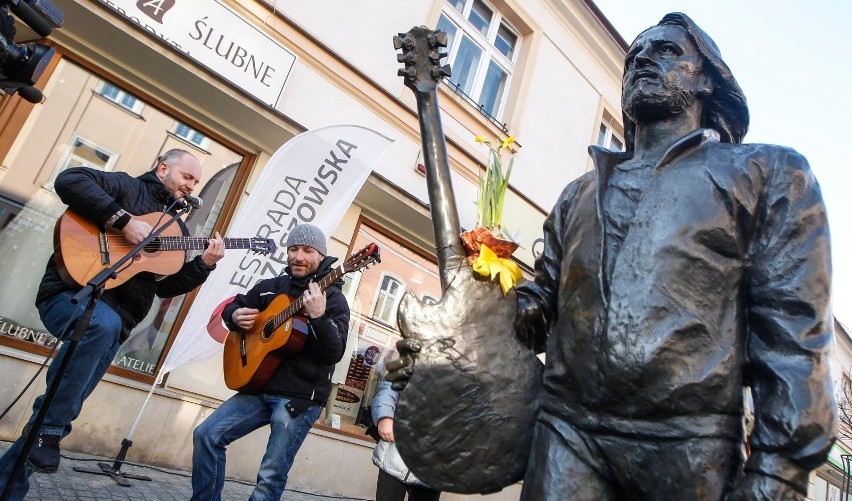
(757, 487)
(401, 369)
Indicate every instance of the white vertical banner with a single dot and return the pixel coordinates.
(313, 178)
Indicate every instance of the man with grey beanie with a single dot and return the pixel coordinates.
(297, 391)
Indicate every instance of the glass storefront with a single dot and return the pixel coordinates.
(89, 121)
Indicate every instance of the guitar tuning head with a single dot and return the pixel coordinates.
(405, 57)
(443, 71)
(408, 73)
(437, 55)
(403, 40)
(437, 38)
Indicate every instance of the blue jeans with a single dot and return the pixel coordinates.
(236, 418)
(91, 359)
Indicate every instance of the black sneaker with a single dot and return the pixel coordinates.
(44, 455)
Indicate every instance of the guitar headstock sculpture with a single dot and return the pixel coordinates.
(464, 422)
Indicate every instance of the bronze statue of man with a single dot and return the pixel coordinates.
(673, 276)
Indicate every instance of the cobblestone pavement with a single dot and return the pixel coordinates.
(165, 484)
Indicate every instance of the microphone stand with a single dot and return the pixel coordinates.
(91, 293)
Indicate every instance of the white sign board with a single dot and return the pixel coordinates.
(217, 38)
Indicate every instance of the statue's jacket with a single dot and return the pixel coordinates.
(722, 281)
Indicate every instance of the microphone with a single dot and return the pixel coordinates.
(192, 201)
(25, 13)
(31, 94)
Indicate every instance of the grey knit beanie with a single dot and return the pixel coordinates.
(308, 235)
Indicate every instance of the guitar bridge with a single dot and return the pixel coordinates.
(243, 355)
(103, 243)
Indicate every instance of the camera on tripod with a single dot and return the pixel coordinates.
(22, 65)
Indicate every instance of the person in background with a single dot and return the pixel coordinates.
(395, 479)
(109, 200)
(291, 401)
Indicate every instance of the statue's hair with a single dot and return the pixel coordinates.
(726, 110)
(170, 156)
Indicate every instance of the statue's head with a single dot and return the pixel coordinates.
(702, 76)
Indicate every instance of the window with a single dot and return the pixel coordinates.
(85, 153)
(610, 139)
(350, 286)
(121, 98)
(482, 48)
(191, 135)
(387, 299)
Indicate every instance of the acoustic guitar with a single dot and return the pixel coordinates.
(83, 250)
(473, 396)
(251, 357)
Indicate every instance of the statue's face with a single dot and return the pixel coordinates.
(663, 74)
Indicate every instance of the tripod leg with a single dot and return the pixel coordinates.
(114, 470)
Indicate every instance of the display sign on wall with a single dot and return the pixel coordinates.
(217, 38)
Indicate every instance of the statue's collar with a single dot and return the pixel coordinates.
(605, 160)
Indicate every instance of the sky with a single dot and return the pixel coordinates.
(791, 58)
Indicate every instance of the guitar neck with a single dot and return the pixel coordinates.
(422, 74)
(199, 243)
(295, 306)
(445, 218)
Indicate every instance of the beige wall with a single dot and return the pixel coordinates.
(345, 73)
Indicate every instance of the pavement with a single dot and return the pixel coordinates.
(67, 484)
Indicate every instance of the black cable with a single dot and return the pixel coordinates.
(42, 366)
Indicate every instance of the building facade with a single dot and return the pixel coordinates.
(232, 81)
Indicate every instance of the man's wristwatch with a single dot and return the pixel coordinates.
(110, 223)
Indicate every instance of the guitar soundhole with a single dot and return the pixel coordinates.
(152, 246)
(268, 329)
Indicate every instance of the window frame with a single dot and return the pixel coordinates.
(609, 133)
(204, 144)
(69, 155)
(118, 100)
(488, 53)
(380, 294)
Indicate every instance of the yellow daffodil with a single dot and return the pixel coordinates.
(508, 142)
(479, 139)
(489, 265)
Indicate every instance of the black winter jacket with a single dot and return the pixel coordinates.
(97, 195)
(305, 375)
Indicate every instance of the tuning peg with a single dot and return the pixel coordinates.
(403, 41)
(437, 38)
(409, 73)
(406, 57)
(437, 55)
(441, 72)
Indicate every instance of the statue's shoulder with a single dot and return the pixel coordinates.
(767, 156)
(583, 184)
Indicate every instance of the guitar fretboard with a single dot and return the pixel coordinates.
(197, 243)
(279, 319)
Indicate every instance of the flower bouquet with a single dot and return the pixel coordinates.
(488, 248)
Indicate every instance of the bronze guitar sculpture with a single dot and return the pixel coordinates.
(470, 404)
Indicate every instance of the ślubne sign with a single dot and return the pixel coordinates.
(216, 37)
